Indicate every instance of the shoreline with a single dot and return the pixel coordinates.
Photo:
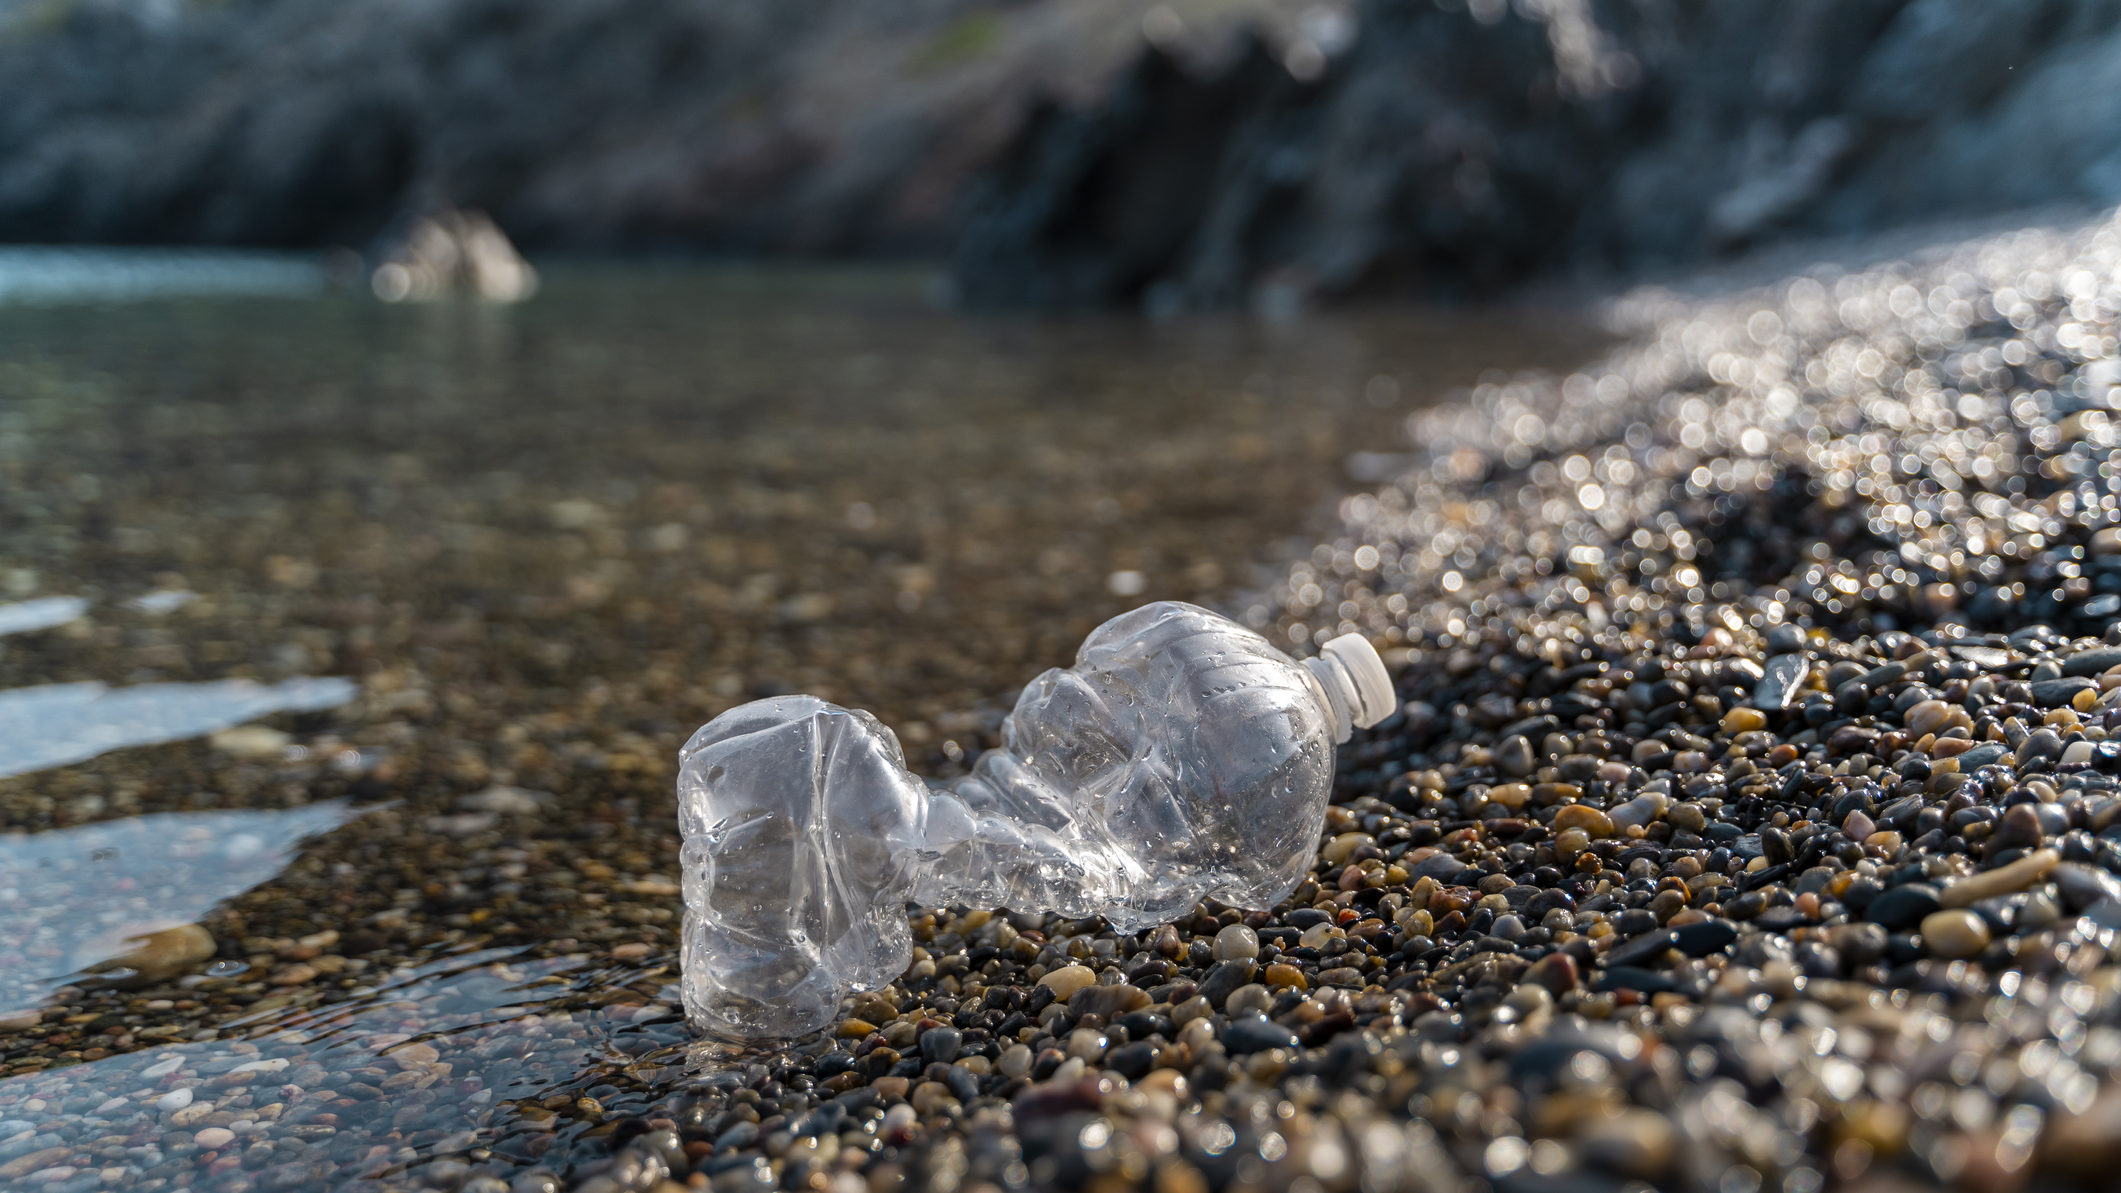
(1651, 881)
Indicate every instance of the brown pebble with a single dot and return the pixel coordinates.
(1108, 1001)
(1579, 816)
(2002, 880)
(1954, 933)
(1280, 975)
(1555, 971)
(167, 951)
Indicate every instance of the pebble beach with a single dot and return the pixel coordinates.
(1752, 823)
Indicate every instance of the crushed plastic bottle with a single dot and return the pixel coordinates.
(1182, 757)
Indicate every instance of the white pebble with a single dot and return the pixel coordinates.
(163, 1067)
(1235, 942)
(2077, 753)
(176, 1099)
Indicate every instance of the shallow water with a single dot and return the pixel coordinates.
(539, 545)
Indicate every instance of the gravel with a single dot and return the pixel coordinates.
(1753, 821)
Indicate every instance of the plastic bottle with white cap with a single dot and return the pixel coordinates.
(1182, 757)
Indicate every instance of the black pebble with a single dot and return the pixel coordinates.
(1903, 906)
(1708, 936)
(1251, 1033)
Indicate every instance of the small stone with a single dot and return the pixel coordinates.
(1860, 944)
(1954, 933)
(2003, 880)
(1555, 971)
(2057, 693)
(1784, 676)
(1108, 1001)
(250, 741)
(1086, 1043)
(213, 1138)
(1743, 720)
(1283, 976)
(932, 1098)
(1514, 757)
(1256, 1033)
(1983, 755)
(1903, 906)
(174, 1100)
(1641, 950)
(1336, 851)
(1254, 999)
(1068, 979)
(1133, 1061)
(1640, 811)
(1224, 977)
(1584, 817)
(168, 951)
(1513, 796)
(1705, 937)
(1234, 942)
(2041, 745)
(941, 1045)
(1929, 716)
(1015, 1062)
(1189, 1010)
(2096, 661)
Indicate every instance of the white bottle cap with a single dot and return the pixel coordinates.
(1353, 679)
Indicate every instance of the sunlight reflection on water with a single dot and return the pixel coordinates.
(73, 898)
(55, 724)
(58, 275)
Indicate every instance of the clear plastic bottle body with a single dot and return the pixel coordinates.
(1181, 757)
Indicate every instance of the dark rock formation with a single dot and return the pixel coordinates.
(832, 126)
(1447, 147)
(1459, 146)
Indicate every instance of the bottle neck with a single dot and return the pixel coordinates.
(1335, 694)
(1351, 683)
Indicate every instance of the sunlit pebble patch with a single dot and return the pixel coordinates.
(1908, 443)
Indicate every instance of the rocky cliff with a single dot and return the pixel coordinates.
(823, 127)
(1459, 146)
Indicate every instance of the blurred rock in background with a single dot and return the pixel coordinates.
(451, 252)
(1170, 155)
(827, 127)
(1456, 147)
